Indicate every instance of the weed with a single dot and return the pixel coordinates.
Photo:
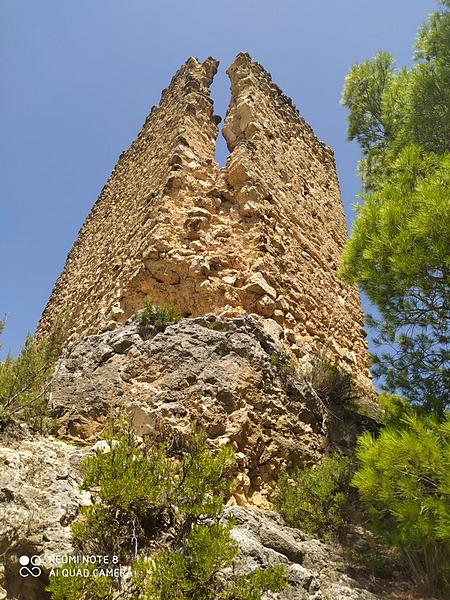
(158, 316)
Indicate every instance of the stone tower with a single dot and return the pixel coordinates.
(262, 235)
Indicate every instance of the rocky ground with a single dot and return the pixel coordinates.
(229, 375)
(40, 498)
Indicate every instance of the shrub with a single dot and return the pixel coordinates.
(25, 381)
(275, 359)
(169, 495)
(158, 316)
(317, 500)
(404, 478)
(332, 385)
(283, 364)
(143, 489)
(253, 586)
(193, 572)
(190, 571)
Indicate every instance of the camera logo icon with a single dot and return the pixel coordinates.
(29, 566)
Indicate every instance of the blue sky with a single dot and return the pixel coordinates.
(78, 79)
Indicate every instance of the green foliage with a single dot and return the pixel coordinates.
(394, 407)
(193, 572)
(142, 489)
(399, 248)
(79, 587)
(25, 381)
(158, 316)
(190, 571)
(430, 86)
(375, 116)
(404, 478)
(331, 385)
(283, 364)
(169, 495)
(252, 586)
(390, 109)
(317, 500)
(399, 253)
(275, 359)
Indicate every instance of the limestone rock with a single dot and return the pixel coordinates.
(39, 499)
(258, 285)
(216, 371)
(230, 374)
(314, 571)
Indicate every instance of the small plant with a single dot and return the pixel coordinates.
(193, 572)
(332, 385)
(25, 381)
(253, 585)
(158, 316)
(289, 366)
(143, 489)
(282, 363)
(317, 500)
(275, 360)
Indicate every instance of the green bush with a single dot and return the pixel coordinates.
(283, 364)
(317, 500)
(170, 496)
(25, 381)
(404, 478)
(143, 489)
(193, 572)
(158, 316)
(252, 586)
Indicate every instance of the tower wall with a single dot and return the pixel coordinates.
(262, 235)
(132, 212)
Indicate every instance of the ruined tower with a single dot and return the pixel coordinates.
(262, 235)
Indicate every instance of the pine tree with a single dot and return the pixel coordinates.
(404, 479)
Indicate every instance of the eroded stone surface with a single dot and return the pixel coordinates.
(314, 571)
(230, 375)
(262, 235)
(39, 499)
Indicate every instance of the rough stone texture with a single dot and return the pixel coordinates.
(314, 571)
(263, 235)
(229, 375)
(39, 498)
(152, 186)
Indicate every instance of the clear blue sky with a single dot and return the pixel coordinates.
(79, 77)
